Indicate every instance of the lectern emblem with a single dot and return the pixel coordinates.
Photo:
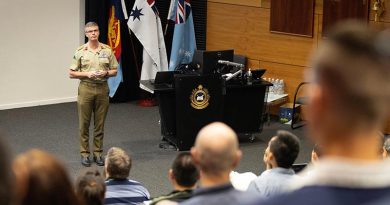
(200, 98)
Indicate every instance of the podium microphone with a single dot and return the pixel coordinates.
(238, 65)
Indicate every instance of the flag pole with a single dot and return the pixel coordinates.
(134, 56)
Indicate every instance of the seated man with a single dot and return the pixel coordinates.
(279, 157)
(216, 154)
(348, 103)
(119, 189)
(183, 176)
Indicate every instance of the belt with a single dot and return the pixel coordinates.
(103, 83)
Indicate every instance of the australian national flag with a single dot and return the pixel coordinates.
(183, 42)
(114, 41)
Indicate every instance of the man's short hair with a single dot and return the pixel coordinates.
(118, 163)
(91, 24)
(184, 170)
(285, 148)
(356, 74)
(90, 187)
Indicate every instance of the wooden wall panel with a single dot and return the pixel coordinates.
(253, 64)
(247, 31)
(254, 3)
(338, 10)
(292, 17)
(318, 7)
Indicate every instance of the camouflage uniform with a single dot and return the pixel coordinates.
(93, 94)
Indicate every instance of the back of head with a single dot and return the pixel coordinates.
(285, 148)
(90, 188)
(42, 180)
(118, 163)
(216, 149)
(6, 177)
(352, 68)
(184, 170)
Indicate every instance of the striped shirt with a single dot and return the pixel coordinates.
(125, 192)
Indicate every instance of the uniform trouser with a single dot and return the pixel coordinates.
(92, 98)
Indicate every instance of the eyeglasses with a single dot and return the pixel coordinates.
(91, 31)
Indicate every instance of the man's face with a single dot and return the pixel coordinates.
(92, 33)
(267, 152)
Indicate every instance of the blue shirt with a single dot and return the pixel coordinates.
(338, 181)
(272, 182)
(224, 194)
(125, 192)
(329, 195)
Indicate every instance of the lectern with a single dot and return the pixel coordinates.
(198, 103)
(192, 101)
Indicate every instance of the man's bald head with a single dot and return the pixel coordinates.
(216, 149)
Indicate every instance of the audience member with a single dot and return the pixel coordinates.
(216, 154)
(90, 188)
(42, 180)
(279, 157)
(6, 177)
(121, 190)
(348, 103)
(386, 149)
(183, 176)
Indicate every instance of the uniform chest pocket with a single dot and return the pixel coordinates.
(85, 62)
(104, 62)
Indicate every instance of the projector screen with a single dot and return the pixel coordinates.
(37, 42)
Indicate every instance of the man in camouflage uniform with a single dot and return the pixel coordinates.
(93, 63)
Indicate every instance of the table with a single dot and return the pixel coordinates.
(274, 99)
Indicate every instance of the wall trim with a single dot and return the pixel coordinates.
(38, 103)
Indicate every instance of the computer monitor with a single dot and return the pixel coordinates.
(208, 60)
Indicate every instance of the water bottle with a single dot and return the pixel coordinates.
(272, 88)
(249, 77)
(281, 87)
(277, 86)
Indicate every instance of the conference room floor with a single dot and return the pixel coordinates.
(54, 128)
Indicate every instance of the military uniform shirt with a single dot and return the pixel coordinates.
(86, 60)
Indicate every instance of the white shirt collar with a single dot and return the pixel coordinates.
(341, 172)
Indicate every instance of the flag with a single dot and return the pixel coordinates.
(184, 42)
(145, 23)
(114, 41)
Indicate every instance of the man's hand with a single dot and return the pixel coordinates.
(91, 74)
(101, 74)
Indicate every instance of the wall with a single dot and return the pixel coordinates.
(37, 42)
(244, 26)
